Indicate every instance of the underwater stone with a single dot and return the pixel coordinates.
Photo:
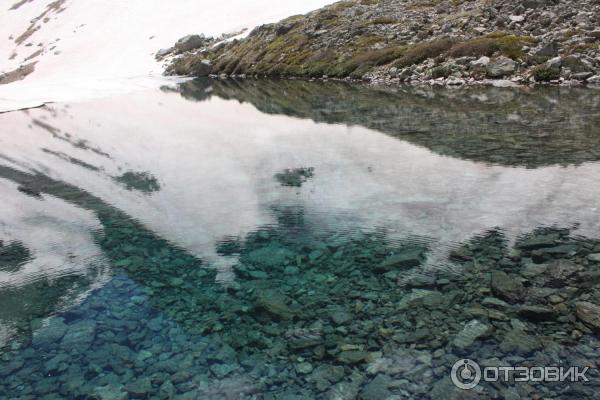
(352, 356)
(222, 370)
(110, 392)
(472, 331)
(560, 271)
(80, 334)
(507, 287)
(8, 368)
(588, 313)
(539, 241)
(377, 389)
(139, 389)
(517, 341)
(274, 305)
(407, 259)
(340, 317)
(594, 257)
(52, 333)
(57, 363)
(270, 256)
(304, 368)
(536, 313)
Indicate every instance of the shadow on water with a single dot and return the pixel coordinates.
(505, 126)
(311, 314)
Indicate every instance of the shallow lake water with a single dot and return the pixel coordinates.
(299, 240)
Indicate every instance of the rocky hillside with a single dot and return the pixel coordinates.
(389, 41)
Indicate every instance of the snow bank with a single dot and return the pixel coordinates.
(85, 49)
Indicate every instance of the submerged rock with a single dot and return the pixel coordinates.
(472, 331)
(519, 342)
(408, 258)
(79, 335)
(274, 305)
(507, 287)
(352, 356)
(588, 313)
(377, 389)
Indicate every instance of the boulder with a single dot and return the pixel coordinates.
(189, 42)
(162, 53)
(589, 313)
(507, 287)
(548, 71)
(519, 342)
(560, 271)
(501, 66)
(593, 79)
(200, 68)
(406, 258)
(377, 389)
(472, 331)
(547, 51)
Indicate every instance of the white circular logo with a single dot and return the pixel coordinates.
(465, 374)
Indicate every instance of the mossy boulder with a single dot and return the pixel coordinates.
(549, 71)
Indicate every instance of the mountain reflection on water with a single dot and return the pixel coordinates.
(507, 126)
(157, 247)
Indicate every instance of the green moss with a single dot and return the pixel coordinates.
(542, 73)
(422, 51)
(508, 45)
(582, 48)
(383, 21)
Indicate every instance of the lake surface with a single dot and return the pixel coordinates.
(299, 240)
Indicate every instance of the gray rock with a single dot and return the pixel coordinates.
(139, 389)
(589, 313)
(200, 67)
(593, 79)
(304, 368)
(222, 370)
(472, 331)
(58, 363)
(406, 362)
(519, 342)
(539, 241)
(407, 258)
(560, 271)
(7, 368)
(110, 392)
(275, 305)
(340, 317)
(352, 356)
(162, 53)
(347, 389)
(80, 335)
(189, 42)
(547, 51)
(594, 257)
(507, 287)
(52, 333)
(537, 313)
(501, 66)
(377, 389)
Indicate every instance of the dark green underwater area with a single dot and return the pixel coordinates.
(315, 311)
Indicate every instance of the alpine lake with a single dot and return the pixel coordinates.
(265, 239)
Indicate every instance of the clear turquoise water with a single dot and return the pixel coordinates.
(247, 252)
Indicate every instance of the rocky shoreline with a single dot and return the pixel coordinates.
(411, 41)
